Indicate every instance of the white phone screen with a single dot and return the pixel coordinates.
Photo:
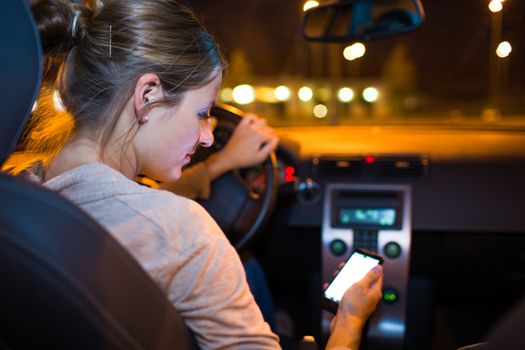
(354, 270)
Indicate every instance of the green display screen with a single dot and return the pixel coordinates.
(384, 217)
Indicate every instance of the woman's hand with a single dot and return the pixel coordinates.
(250, 143)
(356, 306)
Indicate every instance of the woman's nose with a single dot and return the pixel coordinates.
(206, 136)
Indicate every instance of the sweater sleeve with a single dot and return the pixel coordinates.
(194, 182)
(211, 293)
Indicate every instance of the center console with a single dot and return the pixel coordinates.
(375, 217)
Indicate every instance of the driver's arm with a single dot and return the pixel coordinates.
(193, 183)
(250, 143)
(358, 303)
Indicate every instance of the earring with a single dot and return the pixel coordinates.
(144, 120)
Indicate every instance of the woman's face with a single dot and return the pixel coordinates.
(172, 134)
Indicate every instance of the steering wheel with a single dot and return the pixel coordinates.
(241, 200)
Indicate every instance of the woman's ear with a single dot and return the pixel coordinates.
(147, 91)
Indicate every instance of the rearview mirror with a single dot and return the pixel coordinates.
(361, 20)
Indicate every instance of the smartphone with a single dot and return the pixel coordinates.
(354, 269)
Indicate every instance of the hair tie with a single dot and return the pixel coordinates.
(74, 25)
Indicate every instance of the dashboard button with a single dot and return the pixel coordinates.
(390, 296)
(392, 250)
(338, 247)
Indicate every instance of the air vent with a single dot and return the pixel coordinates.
(373, 166)
(340, 167)
(402, 167)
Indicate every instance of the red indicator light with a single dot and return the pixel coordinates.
(370, 159)
(288, 174)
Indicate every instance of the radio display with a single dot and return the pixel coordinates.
(381, 217)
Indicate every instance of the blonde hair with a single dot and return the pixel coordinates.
(50, 129)
(96, 71)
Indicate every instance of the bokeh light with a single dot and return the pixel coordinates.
(243, 94)
(504, 49)
(370, 94)
(354, 51)
(310, 4)
(305, 94)
(320, 111)
(282, 93)
(345, 94)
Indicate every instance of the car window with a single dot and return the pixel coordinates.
(445, 72)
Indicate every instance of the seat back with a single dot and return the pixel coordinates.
(20, 67)
(65, 282)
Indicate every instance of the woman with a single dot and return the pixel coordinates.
(138, 78)
(249, 144)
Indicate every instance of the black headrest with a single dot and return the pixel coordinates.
(20, 69)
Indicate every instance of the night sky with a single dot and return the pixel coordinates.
(450, 50)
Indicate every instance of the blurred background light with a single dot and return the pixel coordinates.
(323, 94)
(310, 4)
(282, 93)
(265, 94)
(345, 94)
(243, 94)
(495, 6)
(504, 49)
(227, 95)
(354, 51)
(305, 94)
(370, 94)
(320, 111)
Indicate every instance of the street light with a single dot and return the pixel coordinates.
(305, 94)
(370, 94)
(310, 4)
(282, 93)
(495, 6)
(320, 111)
(496, 69)
(504, 49)
(345, 94)
(243, 94)
(354, 51)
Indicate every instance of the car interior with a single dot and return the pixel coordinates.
(442, 200)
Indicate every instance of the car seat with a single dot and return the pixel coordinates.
(65, 283)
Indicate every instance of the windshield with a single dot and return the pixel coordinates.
(463, 66)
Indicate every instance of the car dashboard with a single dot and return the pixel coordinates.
(462, 179)
(453, 199)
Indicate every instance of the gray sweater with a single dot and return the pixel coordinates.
(182, 249)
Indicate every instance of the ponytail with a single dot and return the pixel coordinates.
(59, 32)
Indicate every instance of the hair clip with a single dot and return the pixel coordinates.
(110, 40)
(74, 25)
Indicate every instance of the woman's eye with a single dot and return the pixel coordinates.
(204, 115)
